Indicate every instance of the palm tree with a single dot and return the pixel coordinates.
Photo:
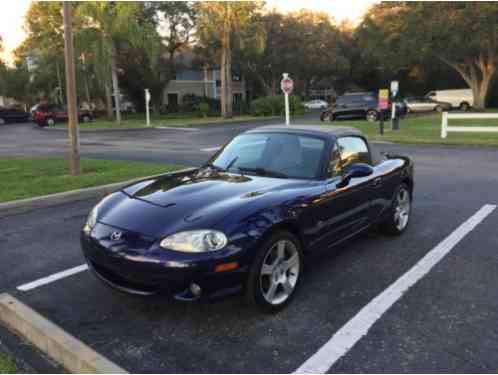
(114, 22)
(222, 19)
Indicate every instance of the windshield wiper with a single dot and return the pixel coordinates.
(220, 169)
(263, 172)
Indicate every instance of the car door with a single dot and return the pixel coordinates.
(61, 114)
(344, 210)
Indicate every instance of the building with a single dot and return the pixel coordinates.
(200, 82)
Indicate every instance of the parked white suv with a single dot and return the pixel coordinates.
(463, 98)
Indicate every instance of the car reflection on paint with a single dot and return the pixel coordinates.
(244, 221)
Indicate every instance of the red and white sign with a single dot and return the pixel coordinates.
(287, 85)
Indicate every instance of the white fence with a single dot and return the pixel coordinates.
(467, 129)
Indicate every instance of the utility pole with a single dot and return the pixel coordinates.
(74, 143)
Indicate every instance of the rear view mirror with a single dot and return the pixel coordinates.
(357, 170)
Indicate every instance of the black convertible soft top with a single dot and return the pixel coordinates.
(324, 131)
(334, 131)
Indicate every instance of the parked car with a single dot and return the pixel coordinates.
(49, 114)
(358, 105)
(13, 115)
(462, 98)
(424, 104)
(243, 222)
(316, 104)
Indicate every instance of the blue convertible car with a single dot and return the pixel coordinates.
(244, 221)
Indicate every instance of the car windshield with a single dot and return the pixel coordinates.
(272, 154)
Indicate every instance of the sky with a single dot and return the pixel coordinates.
(13, 11)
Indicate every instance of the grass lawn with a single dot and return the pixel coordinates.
(26, 178)
(138, 121)
(7, 365)
(423, 129)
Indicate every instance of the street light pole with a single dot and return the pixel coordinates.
(74, 144)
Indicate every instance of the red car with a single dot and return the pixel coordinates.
(49, 114)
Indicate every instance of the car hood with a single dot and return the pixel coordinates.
(162, 206)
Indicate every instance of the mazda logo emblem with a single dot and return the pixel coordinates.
(116, 236)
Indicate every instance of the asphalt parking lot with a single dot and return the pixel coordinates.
(446, 322)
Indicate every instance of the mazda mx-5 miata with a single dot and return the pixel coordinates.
(243, 222)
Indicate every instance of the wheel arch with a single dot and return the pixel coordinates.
(285, 226)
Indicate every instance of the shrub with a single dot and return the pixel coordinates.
(203, 109)
(275, 106)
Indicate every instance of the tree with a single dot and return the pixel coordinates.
(115, 23)
(462, 35)
(219, 20)
(174, 22)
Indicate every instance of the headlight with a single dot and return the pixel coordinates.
(195, 241)
(91, 220)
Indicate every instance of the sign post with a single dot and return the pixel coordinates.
(383, 105)
(394, 115)
(287, 85)
(147, 111)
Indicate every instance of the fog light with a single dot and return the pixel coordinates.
(195, 289)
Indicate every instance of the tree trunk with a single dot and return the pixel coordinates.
(226, 76)
(59, 82)
(87, 91)
(108, 100)
(115, 87)
(478, 74)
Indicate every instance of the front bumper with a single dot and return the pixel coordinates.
(135, 264)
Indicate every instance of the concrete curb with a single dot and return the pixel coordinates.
(25, 205)
(65, 349)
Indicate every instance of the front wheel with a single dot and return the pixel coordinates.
(50, 121)
(439, 108)
(326, 116)
(275, 273)
(399, 214)
(464, 106)
(2, 121)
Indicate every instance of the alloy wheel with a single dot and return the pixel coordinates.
(2, 121)
(372, 116)
(402, 210)
(279, 272)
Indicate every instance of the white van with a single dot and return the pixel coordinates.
(463, 98)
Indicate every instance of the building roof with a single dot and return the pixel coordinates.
(324, 130)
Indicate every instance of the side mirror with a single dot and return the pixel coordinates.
(356, 170)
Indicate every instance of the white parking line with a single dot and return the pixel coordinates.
(350, 333)
(52, 278)
(211, 149)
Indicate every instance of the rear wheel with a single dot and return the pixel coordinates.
(464, 106)
(439, 108)
(399, 215)
(275, 273)
(86, 119)
(372, 115)
(50, 121)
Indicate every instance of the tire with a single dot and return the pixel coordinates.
(49, 121)
(372, 115)
(439, 109)
(273, 280)
(399, 214)
(464, 106)
(2, 121)
(86, 119)
(326, 116)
